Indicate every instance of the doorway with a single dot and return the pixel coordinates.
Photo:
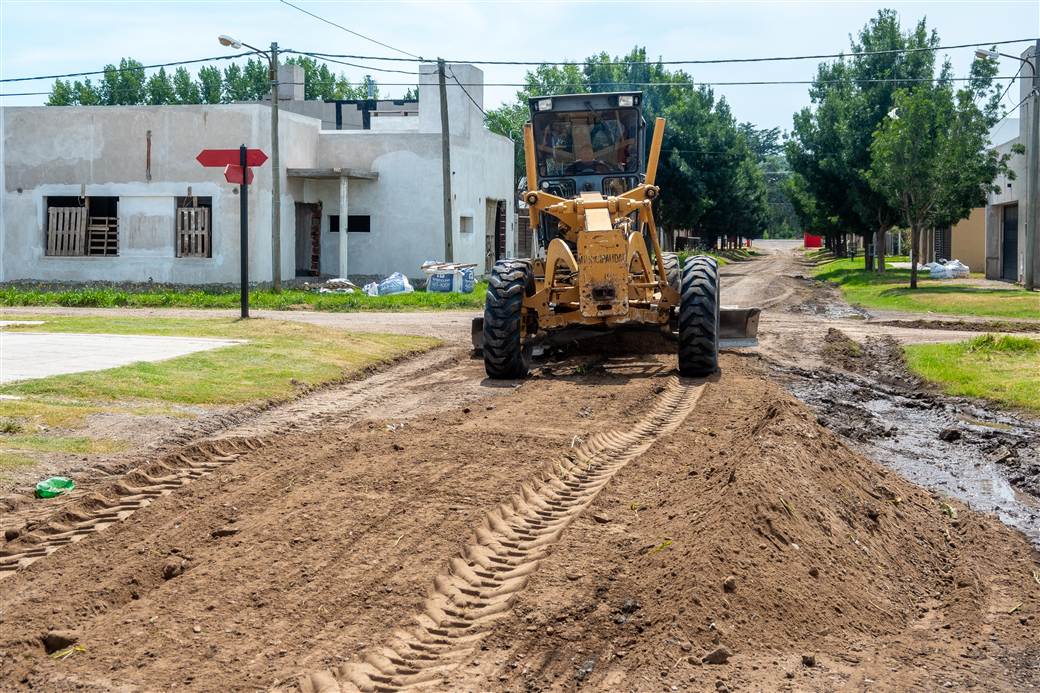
(1009, 244)
(494, 234)
(308, 239)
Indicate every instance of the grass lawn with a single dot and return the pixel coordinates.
(278, 360)
(1004, 369)
(289, 299)
(890, 291)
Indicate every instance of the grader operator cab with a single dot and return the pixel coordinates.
(590, 198)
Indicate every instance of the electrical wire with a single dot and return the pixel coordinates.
(27, 93)
(706, 61)
(1011, 82)
(349, 31)
(340, 62)
(693, 84)
(129, 69)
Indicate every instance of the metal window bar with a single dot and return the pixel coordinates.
(193, 232)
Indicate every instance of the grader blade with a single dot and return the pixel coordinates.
(738, 327)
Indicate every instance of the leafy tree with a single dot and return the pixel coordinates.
(257, 78)
(62, 94)
(830, 146)
(159, 89)
(210, 84)
(412, 94)
(236, 85)
(185, 89)
(123, 85)
(86, 93)
(932, 160)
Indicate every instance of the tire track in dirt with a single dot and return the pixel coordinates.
(117, 501)
(479, 585)
(120, 495)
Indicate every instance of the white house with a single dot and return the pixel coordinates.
(115, 192)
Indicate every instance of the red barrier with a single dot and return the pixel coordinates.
(812, 241)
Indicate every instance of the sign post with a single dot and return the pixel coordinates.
(243, 200)
(237, 166)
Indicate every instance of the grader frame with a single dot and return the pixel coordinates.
(597, 273)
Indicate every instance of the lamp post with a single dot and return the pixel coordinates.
(1032, 161)
(276, 178)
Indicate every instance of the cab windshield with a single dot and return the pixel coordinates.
(573, 143)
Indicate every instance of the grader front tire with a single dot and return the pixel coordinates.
(699, 317)
(672, 271)
(505, 357)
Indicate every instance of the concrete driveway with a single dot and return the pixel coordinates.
(28, 355)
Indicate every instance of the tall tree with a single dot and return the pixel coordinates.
(123, 85)
(185, 89)
(257, 77)
(830, 147)
(159, 89)
(211, 85)
(236, 85)
(932, 159)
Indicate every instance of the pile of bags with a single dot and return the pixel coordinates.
(396, 283)
(449, 277)
(332, 286)
(947, 269)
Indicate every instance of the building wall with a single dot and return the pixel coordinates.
(968, 240)
(103, 151)
(1014, 191)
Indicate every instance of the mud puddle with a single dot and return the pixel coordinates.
(990, 460)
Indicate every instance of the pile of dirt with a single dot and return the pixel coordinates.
(753, 551)
(879, 359)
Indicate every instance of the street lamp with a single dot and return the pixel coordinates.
(1032, 144)
(276, 180)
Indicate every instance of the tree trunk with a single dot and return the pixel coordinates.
(868, 255)
(915, 253)
(879, 247)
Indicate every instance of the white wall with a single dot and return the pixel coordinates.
(103, 151)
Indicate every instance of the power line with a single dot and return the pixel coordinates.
(705, 61)
(694, 84)
(129, 69)
(349, 31)
(1011, 82)
(27, 93)
(363, 67)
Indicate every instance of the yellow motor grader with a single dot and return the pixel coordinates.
(590, 199)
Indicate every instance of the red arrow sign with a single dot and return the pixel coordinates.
(233, 174)
(230, 157)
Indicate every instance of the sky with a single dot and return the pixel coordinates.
(41, 37)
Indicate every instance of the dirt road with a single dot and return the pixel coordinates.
(602, 525)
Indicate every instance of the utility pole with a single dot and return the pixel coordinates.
(449, 253)
(276, 179)
(243, 220)
(1033, 173)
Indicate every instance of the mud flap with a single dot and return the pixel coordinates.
(738, 327)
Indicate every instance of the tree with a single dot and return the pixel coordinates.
(236, 86)
(62, 94)
(257, 79)
(159, 89)
(931, 159)
(210, 85)
(830, 146)
(123, 85)
(185, 89)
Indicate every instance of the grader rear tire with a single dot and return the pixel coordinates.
(505, 358)
(673, 273)
(699, 317)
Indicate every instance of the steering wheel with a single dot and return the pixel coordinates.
(594, 166)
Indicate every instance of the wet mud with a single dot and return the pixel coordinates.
(986, 457)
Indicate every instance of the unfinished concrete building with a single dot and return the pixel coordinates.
(114, 192)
